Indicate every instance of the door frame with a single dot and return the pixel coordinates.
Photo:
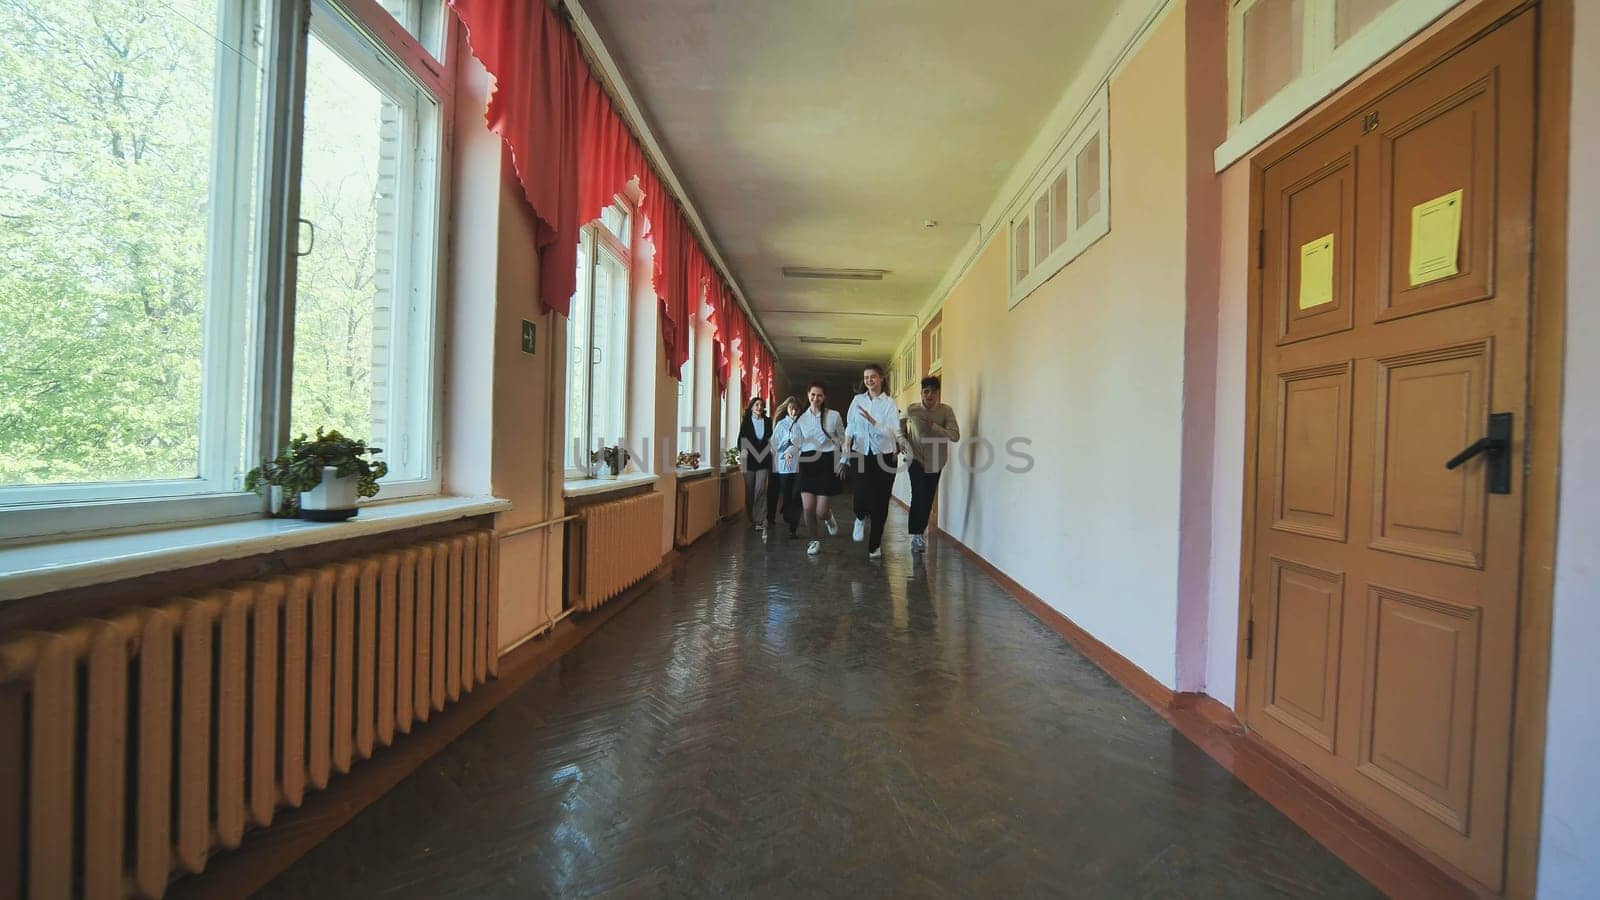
(1547, 327)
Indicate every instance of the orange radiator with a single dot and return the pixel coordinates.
(133, 746)
(618, 544)
(699, 506)
(732, 494)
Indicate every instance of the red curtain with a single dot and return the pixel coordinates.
(573, 155)
(535, 62)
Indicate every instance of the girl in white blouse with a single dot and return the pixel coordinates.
(821, 436)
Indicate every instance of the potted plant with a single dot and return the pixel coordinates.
(689, 459)
(731, 458)
(321, 478)
(609, 461)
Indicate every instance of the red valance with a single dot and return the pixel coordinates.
(534, 59)
(573, 155)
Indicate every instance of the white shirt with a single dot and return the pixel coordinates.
(815, 437)
(760, 425)
(882, 437)
(788, 453)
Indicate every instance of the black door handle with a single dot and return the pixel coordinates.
(1497, 444)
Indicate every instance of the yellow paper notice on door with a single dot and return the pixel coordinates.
(1316, 272)
(1435, 238)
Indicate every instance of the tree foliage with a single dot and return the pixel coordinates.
(110, 162)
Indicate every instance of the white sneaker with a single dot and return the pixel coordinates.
(876, 554)
(814, 548)
(918, 543)
(861, 530)
(833, 525)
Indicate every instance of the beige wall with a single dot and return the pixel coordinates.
(503, 423)
(1090, 369)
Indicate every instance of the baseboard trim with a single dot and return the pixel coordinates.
(268, 852)
(1358, 839)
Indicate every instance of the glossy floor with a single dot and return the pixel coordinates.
(771, 724)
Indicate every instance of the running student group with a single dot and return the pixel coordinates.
(798, 459)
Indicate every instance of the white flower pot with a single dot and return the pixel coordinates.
(332, 500)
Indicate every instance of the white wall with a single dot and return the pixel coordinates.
(1090, 368)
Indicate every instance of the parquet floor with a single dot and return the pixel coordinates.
(765, 724)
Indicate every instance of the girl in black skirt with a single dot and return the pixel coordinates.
(820, 433)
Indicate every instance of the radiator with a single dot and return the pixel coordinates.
(133, 746)
(699, 506)
(732, 493)
(618, 544)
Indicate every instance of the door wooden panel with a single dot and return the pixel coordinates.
(1305, 613)
(1430, 405)
(1383, 586)
(1321, 204)
(1447, 146)
(1419, 694)
(1313, 465)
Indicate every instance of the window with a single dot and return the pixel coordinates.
(1286, 55)
(597, 342)
(423, 20)
(935, 348)
(687, 436)
(141, 369)
(1066, 209)
(364, 298)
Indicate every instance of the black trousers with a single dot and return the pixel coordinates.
(924, 485)
(785, 493)
(874, 483)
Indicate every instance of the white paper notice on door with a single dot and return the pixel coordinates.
(1435, 238)
(1316, 272)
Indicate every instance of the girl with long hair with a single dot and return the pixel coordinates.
(786, 467)
(755, 455)
(821, 433)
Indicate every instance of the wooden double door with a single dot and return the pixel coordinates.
(1393, 324)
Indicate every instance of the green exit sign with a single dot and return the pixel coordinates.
(529, 339)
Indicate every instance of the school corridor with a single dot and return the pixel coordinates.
(405, 406)
(764, 723)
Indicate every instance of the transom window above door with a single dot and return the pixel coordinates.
(1285, 56)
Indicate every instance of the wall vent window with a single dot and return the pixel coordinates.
(1066, 208)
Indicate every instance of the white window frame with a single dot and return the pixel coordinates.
(1324, 68)
(345, 31)
(1092, 121)
(936, 348)
(600, 238)
(245, 413)
(686, 383)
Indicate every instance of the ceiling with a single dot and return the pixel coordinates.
(824, 133)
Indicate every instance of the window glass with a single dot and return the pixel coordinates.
(1041, 228)
(597, 355)
(1273, 39)
(1020, 239)
(1351, 16)
(364, 293)
(578, 366)
(686, 391)
(1088, 174)
(423, 19)
(1059, 208)
(128, 178)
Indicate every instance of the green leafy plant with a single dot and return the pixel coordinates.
(732, 457)
(615, 458)
(298, 467)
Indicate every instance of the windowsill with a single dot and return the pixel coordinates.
(32, 569)
(691, 474)
(584, 487)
